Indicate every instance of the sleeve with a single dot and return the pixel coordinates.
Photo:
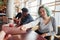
(18, 15)
(32, 24)
(55, 29)
(29, 19)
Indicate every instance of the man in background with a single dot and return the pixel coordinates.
(24, 17)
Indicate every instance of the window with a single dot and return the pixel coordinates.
(47, 1)
(33, 7)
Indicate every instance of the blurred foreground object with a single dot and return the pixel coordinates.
(3, 18)
(41, 38)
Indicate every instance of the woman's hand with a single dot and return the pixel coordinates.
(24, 28)
(43, 35)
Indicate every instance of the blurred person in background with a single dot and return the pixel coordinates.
(24, 17)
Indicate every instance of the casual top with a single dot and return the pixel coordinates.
(26, 19)
(49, 28)
(18, 15)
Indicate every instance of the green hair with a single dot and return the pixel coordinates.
(46, 8)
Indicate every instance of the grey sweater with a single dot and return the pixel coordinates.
(49, 28)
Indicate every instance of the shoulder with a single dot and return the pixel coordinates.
(53, 19)
(29, 16)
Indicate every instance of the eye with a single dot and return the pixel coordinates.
(40, 12)
(43, 11)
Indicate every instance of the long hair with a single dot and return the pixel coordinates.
(46, 8)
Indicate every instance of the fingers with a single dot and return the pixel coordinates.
(23, 28)
(43, 35)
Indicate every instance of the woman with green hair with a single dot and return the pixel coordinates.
(47, 10)
(47, 26)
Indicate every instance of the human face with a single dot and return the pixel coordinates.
(42, 12)
(24, 13)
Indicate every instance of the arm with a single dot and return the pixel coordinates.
(54, 32)
(29, 19)
(18, 15)
(13, 30)
(15, 18)
(32, 24)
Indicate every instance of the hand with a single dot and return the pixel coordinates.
(24, 28)
(7, 36)
(43, 35)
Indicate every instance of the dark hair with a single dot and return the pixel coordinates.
(39, 9)
(24, 10)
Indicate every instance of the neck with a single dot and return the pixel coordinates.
(45, 17)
